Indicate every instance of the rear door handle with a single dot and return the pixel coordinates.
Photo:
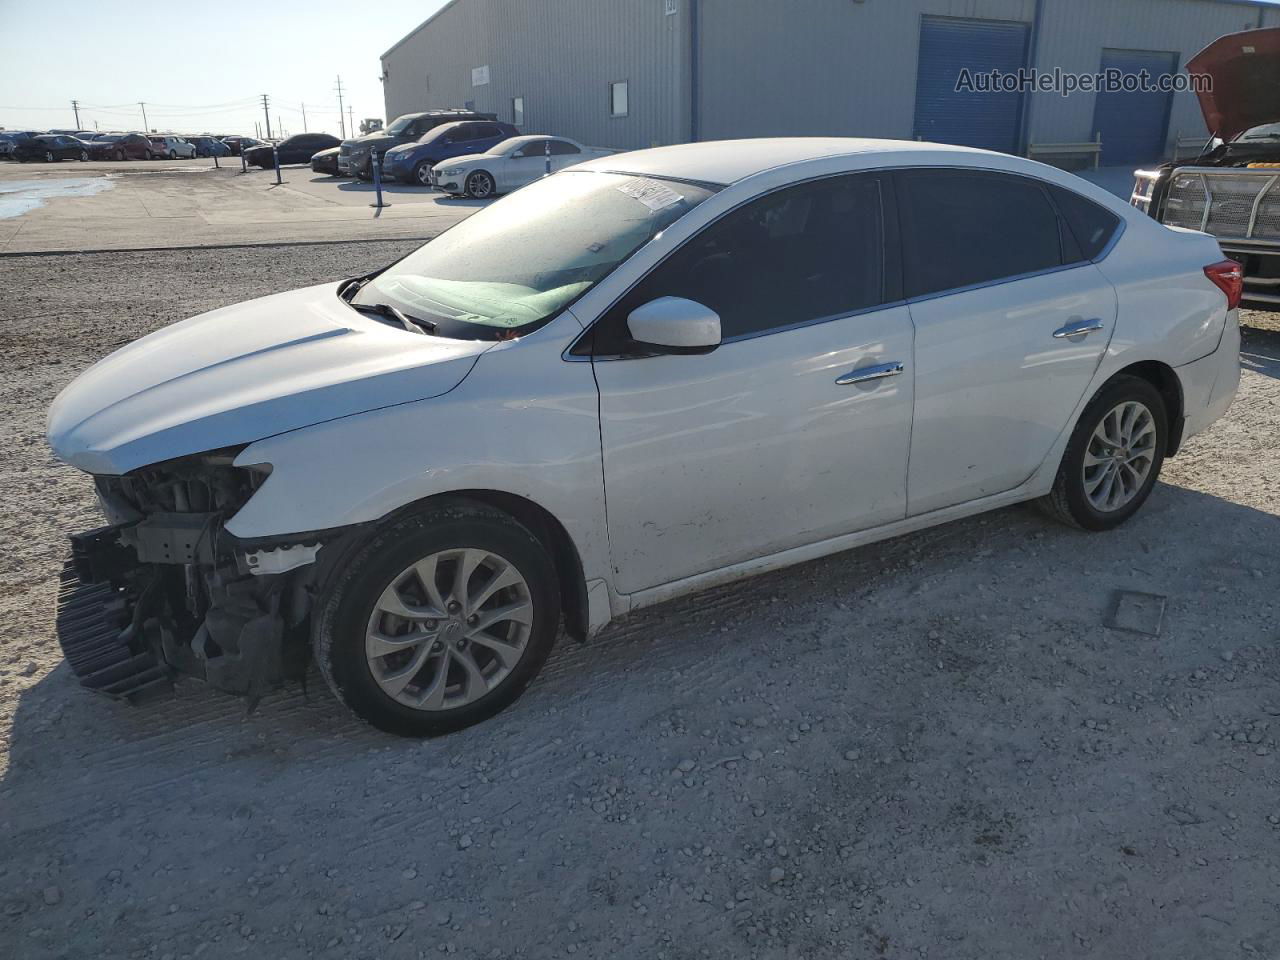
(863, 374)
(1078, 328)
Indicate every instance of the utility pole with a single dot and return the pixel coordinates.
(265, 113)
(351, 117)
(304, 118)
(279, 126)
(146, 127)
(75, 105)
(341, 113)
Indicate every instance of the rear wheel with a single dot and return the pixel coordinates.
(118, 155)
(173, 155)
(84, 156)
(441, 621)
(1114, 457)
(480, 185)
(148, 156)
(48, 156)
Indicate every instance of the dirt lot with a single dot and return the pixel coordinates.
(927, 748)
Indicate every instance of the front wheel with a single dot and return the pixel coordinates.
(480, 185)
(148, 156)
(48, 156)
(441, 621)
(422, 174)
(173, 155)
(118, 155)
(1114, 457)
(84, 156)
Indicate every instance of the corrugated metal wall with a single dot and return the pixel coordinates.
(765, 68)
(1073, 34)
(819, 66)
(561, 56)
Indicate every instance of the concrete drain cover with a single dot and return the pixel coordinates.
(1137, 612)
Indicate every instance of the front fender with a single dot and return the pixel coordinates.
(525, 422)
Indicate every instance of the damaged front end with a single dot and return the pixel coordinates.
(165, 589)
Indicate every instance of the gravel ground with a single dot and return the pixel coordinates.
(930, 747)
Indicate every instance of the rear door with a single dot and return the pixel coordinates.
(1011, 323)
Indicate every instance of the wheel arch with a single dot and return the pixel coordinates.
(543, 524)
(1165, 380)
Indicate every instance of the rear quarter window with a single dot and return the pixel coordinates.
(1092, 226)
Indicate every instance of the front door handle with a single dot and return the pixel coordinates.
(1078, 328)
(863, 374)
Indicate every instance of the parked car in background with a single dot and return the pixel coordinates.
(121, 146)
(50, 147)
(169, 147)
(1230, 190)
(510, 165)
(356, 156)
(209, 146)
(296, 149)
(326, 161)
(401, 477)
(412, 162)
(239, 144)
(9, 137)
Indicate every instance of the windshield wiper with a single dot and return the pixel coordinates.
(387, 311)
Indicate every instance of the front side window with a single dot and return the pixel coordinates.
(520, 261)
(538, 148)
(811, 252)
(964, 228)
(618, 105)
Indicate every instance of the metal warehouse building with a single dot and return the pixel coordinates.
(637, 73)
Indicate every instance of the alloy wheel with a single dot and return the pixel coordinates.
(424, 174)
(48, 156)
(449, 629)
(480, 185)
(1119, 456)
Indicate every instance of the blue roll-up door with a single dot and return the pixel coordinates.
(944, 114)
(1133, 126)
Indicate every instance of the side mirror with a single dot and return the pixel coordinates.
(675, 325)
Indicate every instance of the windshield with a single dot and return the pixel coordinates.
(1268, 131)
(525, 258)
(398, 124)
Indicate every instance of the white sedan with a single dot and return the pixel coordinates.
(629, 381)
(510, 165)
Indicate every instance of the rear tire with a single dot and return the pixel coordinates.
(84, 156)
(1113, 459)
(448, 680)
(48, 156)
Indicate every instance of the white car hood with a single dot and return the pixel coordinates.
(243, 373)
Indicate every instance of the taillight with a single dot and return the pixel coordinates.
(1228, 276)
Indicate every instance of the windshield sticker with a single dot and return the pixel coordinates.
(656, 196)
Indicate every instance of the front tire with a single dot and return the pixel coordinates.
(422, 174)
(48, 156)
(1114, 457)
(480, 186)
(84, 156)
(440, 621)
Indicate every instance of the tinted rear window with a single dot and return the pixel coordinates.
(962, 229)
(1092, 226)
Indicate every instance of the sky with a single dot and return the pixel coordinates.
(198, 65)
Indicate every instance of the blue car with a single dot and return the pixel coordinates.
(209, 147)
(412, 162)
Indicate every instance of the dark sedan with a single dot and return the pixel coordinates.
(326, 161)
(238, 144)
(50, 147)
(299, 148)
(121, 146)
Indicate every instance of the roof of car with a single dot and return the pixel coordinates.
(728, 161)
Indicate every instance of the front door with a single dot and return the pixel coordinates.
(796, 429)
(997, 284)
